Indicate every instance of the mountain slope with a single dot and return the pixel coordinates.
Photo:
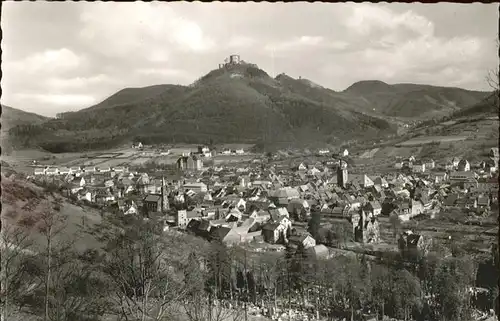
(238, 104)
(413, 100)
(242, 103)
(486, 107)
(12, 117)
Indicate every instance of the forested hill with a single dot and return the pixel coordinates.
(241, 104)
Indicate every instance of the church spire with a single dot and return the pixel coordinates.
(164, 197)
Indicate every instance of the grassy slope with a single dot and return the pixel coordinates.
(24, 199)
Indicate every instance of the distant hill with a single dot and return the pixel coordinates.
(489, 106)
(12, 117)
(413, 100)
(240, 104)
(243, 104)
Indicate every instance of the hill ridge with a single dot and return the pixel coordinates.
(243, 103)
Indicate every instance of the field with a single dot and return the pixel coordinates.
(221, 159)
(432, 139)
(390, 152)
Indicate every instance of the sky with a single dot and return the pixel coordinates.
(64, 56)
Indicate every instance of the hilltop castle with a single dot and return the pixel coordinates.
(234, 60)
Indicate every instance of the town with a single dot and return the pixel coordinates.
(272, 204)
(251, 162)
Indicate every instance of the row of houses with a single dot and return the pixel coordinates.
(77, 170)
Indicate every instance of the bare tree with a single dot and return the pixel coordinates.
(50, 224)
(14, 246)
(143, 272)
(201, 302)
(493, 75)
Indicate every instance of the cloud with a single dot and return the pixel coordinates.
(241, 42)
(96, 49)
(60, 100)
(366, 18)
(126, 29)
(163, 72)
(49, 61)
(304, 43)
(78, 82)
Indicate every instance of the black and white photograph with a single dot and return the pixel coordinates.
(249, 161)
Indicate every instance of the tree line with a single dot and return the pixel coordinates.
(140, 272)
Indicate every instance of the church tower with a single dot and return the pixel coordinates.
(342, 174)
(164, 196)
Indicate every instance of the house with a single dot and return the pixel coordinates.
(305, 240)
(302, 167)
(463, 166)
(449, 166)
(345, 153)
(418, 167)
(89, 169)
(367, 182)
(455, 161)
(470, 184)
(483, 201)
(138, 145)
(104, 195)
(467, 202)
(52, 171)
(119, 169)
(417, 208)
(103, 169)
(380, 181)
(130, 209)
(299, 209)
(230, 235)
(282, 196)
(64, 170)
(461, 176)
(84, 195)
(440, 177)
(234, 215)
(39, 171)
(196, 187)
(430, 164)
(190, 163)
(261, 216)
(182, 219)
(494, 153)
(374, 208)
(410, 243)
(274, 233)
(75, 169)
(152, 202)
(398, 164)
(74, 188)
